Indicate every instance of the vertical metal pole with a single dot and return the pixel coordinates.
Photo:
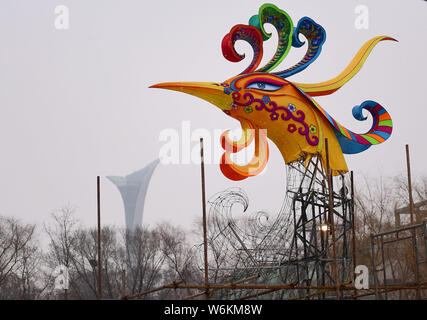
(205, 241)
(331, 217)
(353, 229)
(374, 267)
(323, 238)
(325, 221)
(384, 271)
(411, 211)
(345, 211)
(411, 203)
(99, 239)
(123, 283)
(417, 271)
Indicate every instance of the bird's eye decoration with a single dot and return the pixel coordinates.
(264, 86)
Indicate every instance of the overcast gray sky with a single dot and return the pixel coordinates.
(75, 103)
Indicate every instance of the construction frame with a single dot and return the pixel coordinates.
(318, 258)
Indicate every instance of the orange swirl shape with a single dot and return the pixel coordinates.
(259, 160)
(248, 133)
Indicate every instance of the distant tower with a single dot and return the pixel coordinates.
(133, 189)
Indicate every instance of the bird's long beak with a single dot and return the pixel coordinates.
(209, 91)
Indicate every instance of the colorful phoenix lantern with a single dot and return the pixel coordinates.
(268, 105)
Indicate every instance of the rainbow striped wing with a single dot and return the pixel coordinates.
(352, 142)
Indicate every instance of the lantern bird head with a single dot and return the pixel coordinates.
(268, 105)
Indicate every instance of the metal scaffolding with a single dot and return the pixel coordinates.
(414, 238)
(320, 253)
(295, 247)
(308, 249)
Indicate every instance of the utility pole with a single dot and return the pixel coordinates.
(99, 239)
(205, 241)
(411, 201)
(331, 217)
(414, 231)
(353, 227)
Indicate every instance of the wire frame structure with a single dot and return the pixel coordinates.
(408, 243)
(294, 247)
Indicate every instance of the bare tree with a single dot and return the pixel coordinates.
(179, 259)
(145, 259)
(376, 201)
(19, 255)
(61, 234)
(84, 274)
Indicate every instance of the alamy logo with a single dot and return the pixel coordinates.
(62, 18)
(61, 277)
(184, 147)
(362, 277)
(362, 18)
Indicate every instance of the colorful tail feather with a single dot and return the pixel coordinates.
(352, 142)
